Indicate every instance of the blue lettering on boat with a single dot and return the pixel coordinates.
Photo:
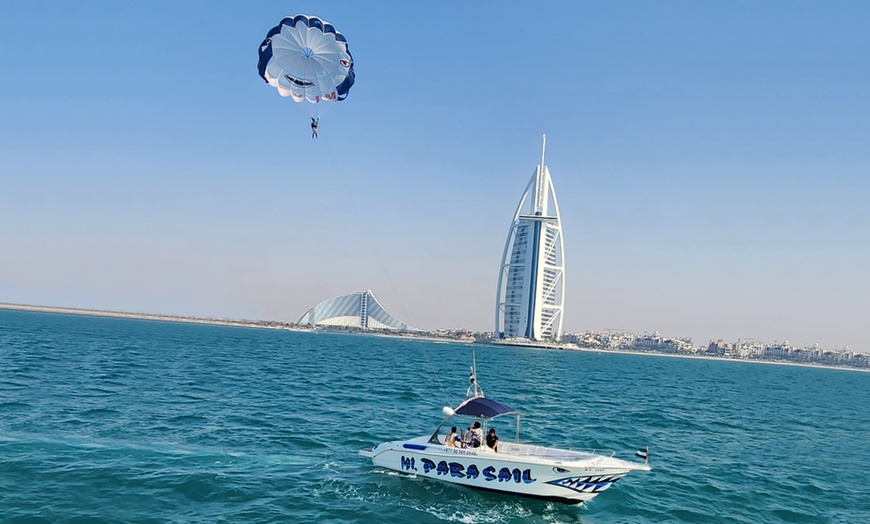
(408, 463)
(472, 471)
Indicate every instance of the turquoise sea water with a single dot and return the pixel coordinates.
(117, 420)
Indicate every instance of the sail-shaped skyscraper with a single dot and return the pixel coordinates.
(359, 309)
(531, 280)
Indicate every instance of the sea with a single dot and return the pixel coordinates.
(141, 421)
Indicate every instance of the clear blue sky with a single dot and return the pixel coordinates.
(711, 162)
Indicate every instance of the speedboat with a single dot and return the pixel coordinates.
(514, 467)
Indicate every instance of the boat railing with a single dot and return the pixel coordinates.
(532, 450)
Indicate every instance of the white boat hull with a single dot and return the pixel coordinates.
(520, 469)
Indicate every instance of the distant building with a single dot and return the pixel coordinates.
(720, 348)
(359, 310)
(531, 281)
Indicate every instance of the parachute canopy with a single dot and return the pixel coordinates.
(306, 58)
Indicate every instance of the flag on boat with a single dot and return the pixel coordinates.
(643, 453)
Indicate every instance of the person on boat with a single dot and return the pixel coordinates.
(476, 434)
(452, 439)
(314, 123)
(492, 440)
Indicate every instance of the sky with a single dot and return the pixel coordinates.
(710, 160)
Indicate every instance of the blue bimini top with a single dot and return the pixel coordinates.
(483, 407)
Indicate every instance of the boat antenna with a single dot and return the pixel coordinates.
(474, 390)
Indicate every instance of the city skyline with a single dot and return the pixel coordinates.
(711, 162)
(591, 340)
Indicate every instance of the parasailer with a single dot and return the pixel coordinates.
(307, 59)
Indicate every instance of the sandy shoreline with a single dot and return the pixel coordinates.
(563, 347)
(270, 324)
(263, 324)
(719, 359)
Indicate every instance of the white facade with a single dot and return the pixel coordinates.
(531, 281)
(357, 310)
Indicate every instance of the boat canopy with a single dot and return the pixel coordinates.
(483, 407)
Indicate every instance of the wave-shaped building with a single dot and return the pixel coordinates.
(531, 282)
(359, 309)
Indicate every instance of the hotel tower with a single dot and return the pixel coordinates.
(531, 280)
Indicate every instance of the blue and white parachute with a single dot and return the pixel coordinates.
(306, 58)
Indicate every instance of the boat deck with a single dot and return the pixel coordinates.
(556, 454)
(517, 449)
